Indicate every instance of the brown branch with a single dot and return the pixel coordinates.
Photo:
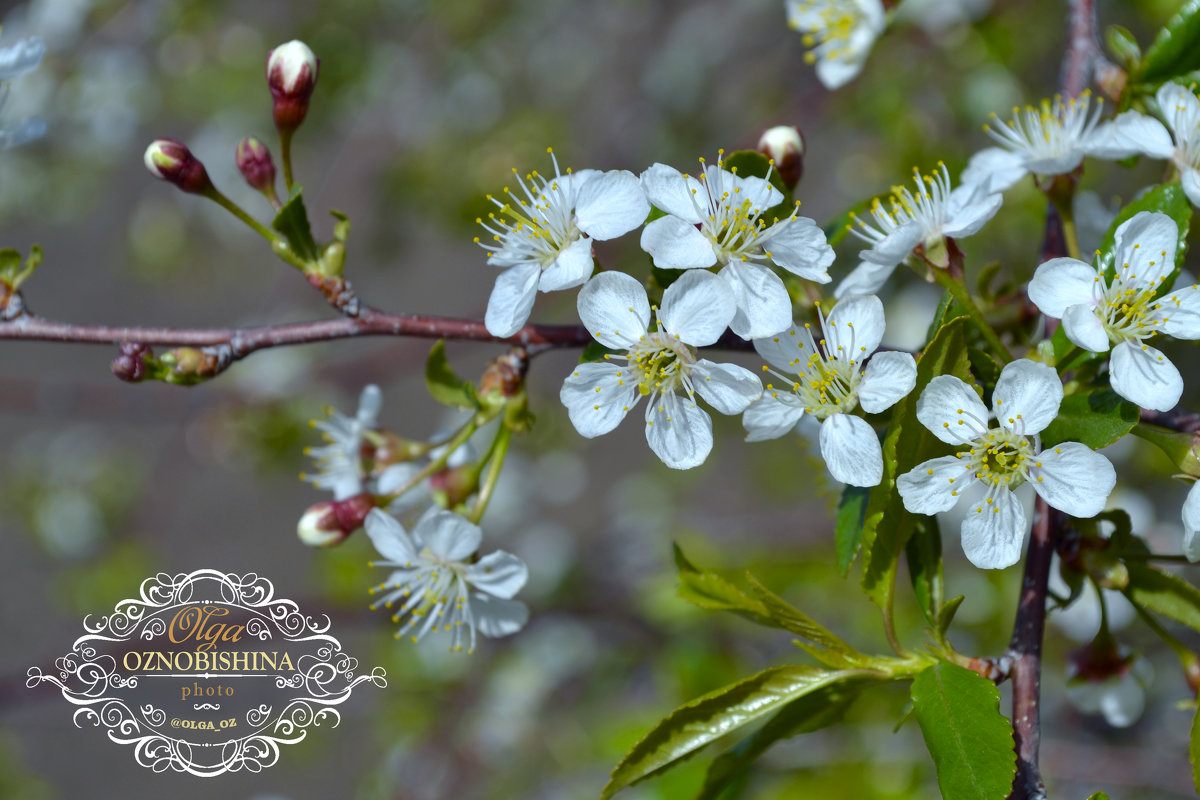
(1175, 420)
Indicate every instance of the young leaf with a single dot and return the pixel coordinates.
(1163, 593)
(444, 386)
(1194, 750)
(1098, 796)
(847, 529)
(946, 614)
(924, 556)
(1123, 45)
(793, 619)
(709, 590)
(705, 719)
(1176, 49)
(969, 739)
(1097, 418)
(292, 224)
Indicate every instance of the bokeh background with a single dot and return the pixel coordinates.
(422, 108)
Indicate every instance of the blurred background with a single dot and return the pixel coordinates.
(421, 109)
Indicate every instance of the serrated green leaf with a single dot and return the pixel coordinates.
(693, 725)
(1166, 198)
(985, 366)
(946, 614)
(969, 739)
(848, 526)
(709, 590)
(888, 525)
(1097, 418)
(443, 384)
(947, 309)
(292, 224)
(793, 619)
(923, 553)
(1123, 45)
(1176, 49)
(1163, 593)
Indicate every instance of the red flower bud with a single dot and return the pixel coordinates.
(291, 77)
(171, 161)
(330, 522)
(254, 162)
(784, 144)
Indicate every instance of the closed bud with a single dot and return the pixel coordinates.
(454, 486)
(291, 77)
(330, 522)
(506, 374)
(130, 363)
(171, 161)
(254, 162)
(784, 144)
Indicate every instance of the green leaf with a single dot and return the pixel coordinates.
(1123, 45)
(1098, 796)
(595, 352)
(1097, 418)
(709, 590)
(888, 525)
(292, 223)
(705, 719)
(947, 309)
(10, 265)
(444, 385)
(946, 614)
(1163, 593)
(1169, 199)
(984, 365)
(1194, 750)
(814, 711)
(1176, 49)
(790, 618)
(848, 527)
(970, 740)
(341, 228)
(924, 556)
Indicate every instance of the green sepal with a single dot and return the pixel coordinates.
(1122, 45)
(444, 385)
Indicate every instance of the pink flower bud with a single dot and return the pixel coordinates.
(784, 144)
(254, 162)
(330, 522)
(173, 162)
(130, 364)
(291, 77)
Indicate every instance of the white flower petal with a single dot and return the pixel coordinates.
(968, 209)
(867, 278)
(1191, 524)
(1144, 248)
(1073, 478)
(1189, 177)
(788, 350)
(572, 267)
(496, 617)
(697, 308)
(772, 417)
(1084, 328)
(759, 191)
(1122, 701)
(889, 377)
(1027, 396)
(994, 169)
(598, 395)
(1061, 283)
(499, 574)
(854, 328)
(763, 305)
(1143, 375)
(611, 205)
(1182, 110)
(369, 403)
(851, 450)
(800, 247)
(677, 244)
(614, 308)
(728, 388)
(1180, 313)
(1128, 134)
(951, 410)
(389, 538)
(512, 299)
(668, 189)
(21, 57)
(992, 533)
(449, 536)
(934, 486)
(679, 432)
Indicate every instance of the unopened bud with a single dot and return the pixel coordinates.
(330, 522)
(291, 77)
(506, 374)
(450, 487)
(254, 162)
(171, 161)
(130, 364)
(784, 144)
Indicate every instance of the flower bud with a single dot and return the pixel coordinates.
(291, 77)
(171, 161)
(130, 363)
(506, 374)
(254, 162)
(784, 144)
(454, 486)
(330, 522)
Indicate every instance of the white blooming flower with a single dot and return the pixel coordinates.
(1051, 139)
(1069, 476)
(339, 462)
(1081, 620)
(838, 33)
(1191, 524)
(1109, 681)
(717, 220)
(543, 240)
(826, 379)
(17, 60)
(922, 219)
(438, 586)
(1122, 312)
(661, 364)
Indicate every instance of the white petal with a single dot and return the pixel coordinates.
(697, 308)
(851, 450)
(935, 485)
(994, 169)
(500, 574)
(834, 73)
(1144, 248)
(512, 299)
(992, 533)
(390, 538)
(1122, 701)
(614, 308)
(1060, 283)
(1057, 164)
(1144, 376)
(759, 191)
(854, 328)
(668, 189)
(763, 305)
(1073, 478)
(867, 278)
(1027, 396)
(21, 57)
(888, 378)
(679, 432)
(611, 205)
(772, 417)
(395, 476)
(969, 208)
(1191, 524)
(598, 395)
(1084, 328)
(369, 403)
(449, 536)
(728, 388)
(677, 244)
(496, 617)
(1180, 313)
(1189, 177)
(799, 246)
(787, 351)
(1128, 134)
(572, 267)
(1181, 109)
(1086, 696)
(951, 410)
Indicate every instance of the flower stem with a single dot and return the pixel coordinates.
(224, 202)
(285, 156)
(436, 464)
(959, 292)
(499, 451)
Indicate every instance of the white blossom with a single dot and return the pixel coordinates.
(660, 364)
(827, 379)
(1069, 476)
(16, 60)
(1122, 312)
(1111, 683)
(339, 461)
(436, 584)
(716, 220)
(1081, 620)
(838, 33)
(543, 239)
(1191, 524)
